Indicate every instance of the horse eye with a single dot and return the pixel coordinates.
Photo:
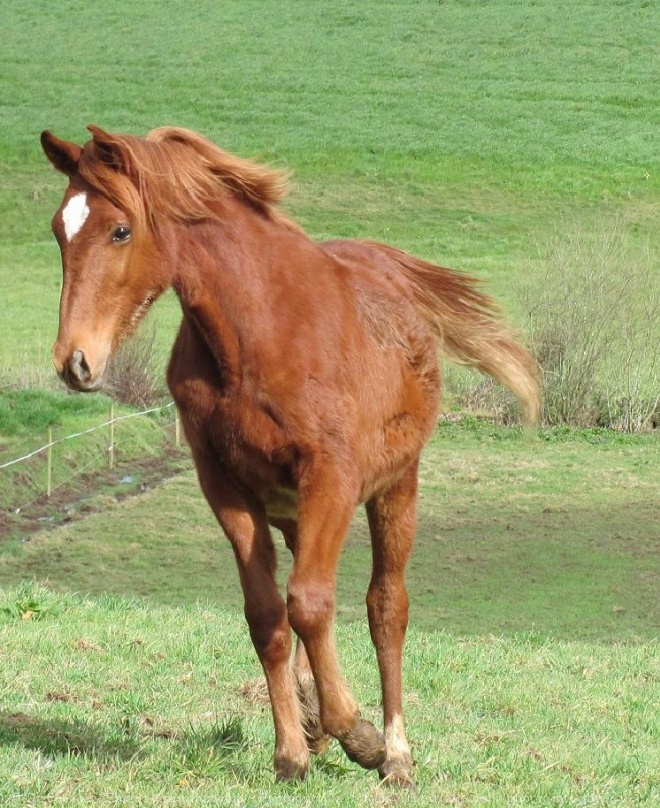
(121, 234)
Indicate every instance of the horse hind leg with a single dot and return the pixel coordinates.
(392, 522)
(310, 710)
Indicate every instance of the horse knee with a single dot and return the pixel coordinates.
(309, 606)
(271, 635)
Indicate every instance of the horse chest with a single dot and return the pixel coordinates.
(245, 445)
(248, 443)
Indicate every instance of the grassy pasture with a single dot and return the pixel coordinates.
(470, 133)
(114, 701)
(513, 536)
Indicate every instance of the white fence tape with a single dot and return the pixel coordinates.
(47, 446)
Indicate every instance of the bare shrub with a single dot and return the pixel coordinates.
(632, 389)
(132, 377)
(481, 395)
(592, 307)
(594, 321)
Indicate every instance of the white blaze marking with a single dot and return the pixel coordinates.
(74, 215)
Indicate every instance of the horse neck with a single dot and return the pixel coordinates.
(222, 274)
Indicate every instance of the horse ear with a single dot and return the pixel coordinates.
(63, 154)
(109, 149)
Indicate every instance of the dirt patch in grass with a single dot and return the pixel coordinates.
(91, 493)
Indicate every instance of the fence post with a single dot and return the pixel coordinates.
(111, 448)
(49, 462)
(48, 447)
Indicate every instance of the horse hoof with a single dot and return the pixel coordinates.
(290, 769)
(364, 744)
(397, 773)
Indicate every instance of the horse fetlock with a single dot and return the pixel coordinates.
(317, 740)
(364, 744)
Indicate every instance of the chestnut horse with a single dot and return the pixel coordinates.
(308, 382)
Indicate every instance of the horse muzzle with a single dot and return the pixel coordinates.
(76, 373)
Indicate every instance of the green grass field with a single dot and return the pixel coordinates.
(513, 536)
(473, 134)
(114, 702)
(466, 132)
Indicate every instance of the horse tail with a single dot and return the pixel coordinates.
(469, 327)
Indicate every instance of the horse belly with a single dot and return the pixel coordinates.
(280, 503)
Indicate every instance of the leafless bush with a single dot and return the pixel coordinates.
(132, 377)
(632, 390)
(592, 307)
(594, 322)
(480, 395)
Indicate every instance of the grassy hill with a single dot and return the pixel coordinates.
(470, 133)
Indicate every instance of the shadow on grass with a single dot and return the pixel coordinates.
(65, 737)
(197, 752)
(569, 572)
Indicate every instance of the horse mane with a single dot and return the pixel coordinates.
(178, 174)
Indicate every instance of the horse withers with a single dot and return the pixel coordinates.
(307, 379)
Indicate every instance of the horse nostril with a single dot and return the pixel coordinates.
(78, 367)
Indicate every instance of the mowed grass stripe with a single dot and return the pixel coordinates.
(512, 537)
(468, 133)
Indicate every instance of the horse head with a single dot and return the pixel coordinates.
(106, 253)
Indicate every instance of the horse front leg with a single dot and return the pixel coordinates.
(310, 714)
(244, 523)
(392, 523)
(326, 507)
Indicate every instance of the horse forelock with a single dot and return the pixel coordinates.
(112, 180)
(177, 174)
